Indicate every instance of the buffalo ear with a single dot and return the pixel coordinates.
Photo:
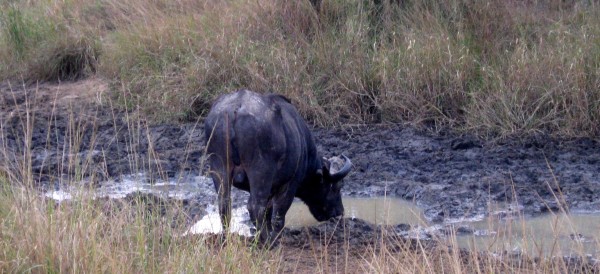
(338, 185)
(325, 164)
(323, 169)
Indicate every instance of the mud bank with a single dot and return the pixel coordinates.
(454, 176)
(70, 132)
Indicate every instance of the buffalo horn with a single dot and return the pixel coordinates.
(343, 171)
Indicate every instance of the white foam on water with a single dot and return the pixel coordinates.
(476, 218)
(59, 195)
(211, 223)
(173, 188)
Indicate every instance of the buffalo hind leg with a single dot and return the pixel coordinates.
(225, 205)
(261, 180)
(281, 205)
(223, 189)
(259, 213)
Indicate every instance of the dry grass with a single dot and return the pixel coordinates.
(489, 67)
(84, 235)
(37, 235)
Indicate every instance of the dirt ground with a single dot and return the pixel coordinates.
(73, 132)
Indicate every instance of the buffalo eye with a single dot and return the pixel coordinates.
(319, 173)
(337, 186)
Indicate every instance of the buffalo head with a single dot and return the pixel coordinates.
(326, 198)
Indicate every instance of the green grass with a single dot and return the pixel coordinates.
(40, 42)
(491, 68)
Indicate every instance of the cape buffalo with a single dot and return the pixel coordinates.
(259, 143)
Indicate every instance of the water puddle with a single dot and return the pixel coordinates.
(376, 210)
(547, 235)
(211, 223)
(577, 234)
(382, 211)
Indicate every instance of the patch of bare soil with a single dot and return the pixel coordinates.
(73, 131)
(453, 176)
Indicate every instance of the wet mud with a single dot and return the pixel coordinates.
(455, 176)
(70, 132)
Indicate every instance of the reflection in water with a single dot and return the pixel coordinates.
(548, 235)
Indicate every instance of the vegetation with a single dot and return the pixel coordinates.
(489, 67)
(39, 235)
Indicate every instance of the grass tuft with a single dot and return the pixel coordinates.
(489, 67)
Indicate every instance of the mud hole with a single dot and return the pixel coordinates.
(70, 132)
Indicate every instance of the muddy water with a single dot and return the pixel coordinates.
(184, 187)
(547, 235)
(381, 211)
(377, 210)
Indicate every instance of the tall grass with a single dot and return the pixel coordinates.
(38, 235)
(490, 67)
(45, 41)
